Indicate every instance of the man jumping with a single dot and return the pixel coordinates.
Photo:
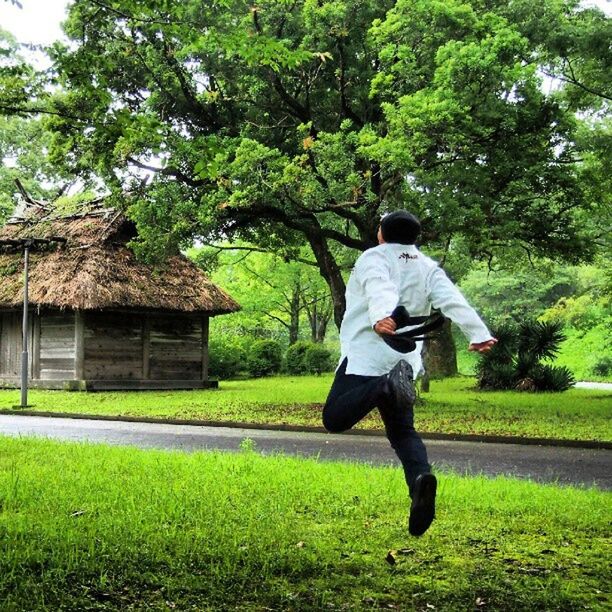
(390, 282)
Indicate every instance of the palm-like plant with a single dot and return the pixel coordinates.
(515, 361)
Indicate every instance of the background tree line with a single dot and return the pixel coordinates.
(290, 126)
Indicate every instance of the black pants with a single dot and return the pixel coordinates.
(352, 397)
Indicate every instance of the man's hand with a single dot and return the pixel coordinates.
(483, 347)
(385, 326)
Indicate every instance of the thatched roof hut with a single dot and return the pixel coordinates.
(100, 317)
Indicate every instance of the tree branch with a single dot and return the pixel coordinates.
(220, 248)
(16, 110)
(347, 111)
(149, 20)
(287, 325)
(168, 172)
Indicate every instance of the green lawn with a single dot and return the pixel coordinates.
(452, 406)
(90, 527)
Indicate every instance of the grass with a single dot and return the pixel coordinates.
(452, 406)
(90, 527)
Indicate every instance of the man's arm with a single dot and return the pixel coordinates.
(446, 297)
(381, 293)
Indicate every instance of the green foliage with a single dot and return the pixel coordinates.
(264, 358)
(514, 362)
(9, 269)
(603, 366)
(577, 297)
(552, 378)
(68, 205)
(508, 295)
(317, 359)
(294, 357)
(289, 123)
(227, 357)
(574, 47)
(19, 82)
(583, 349)
(308, 358)
(280, 299)
(540, 340)
(23, 144)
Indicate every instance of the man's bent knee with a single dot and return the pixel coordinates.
(332, 425)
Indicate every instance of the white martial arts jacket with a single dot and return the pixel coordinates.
(384, 277)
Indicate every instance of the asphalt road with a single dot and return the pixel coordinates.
(575, 466)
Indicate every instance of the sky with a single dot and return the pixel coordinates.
(37, 22)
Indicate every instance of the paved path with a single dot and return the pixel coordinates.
(541, 463)
(594, 385)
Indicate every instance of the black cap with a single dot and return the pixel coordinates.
(401, 227)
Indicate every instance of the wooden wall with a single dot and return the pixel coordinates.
(112, 346)
(175, 348)
(57, 346)
(10, 343)
(142, 346)
(103, 346)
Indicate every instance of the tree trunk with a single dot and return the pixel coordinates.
(319, 313)
(331, 273)
(313, 315)
(321, 328)
(294, 323)
(440, 358)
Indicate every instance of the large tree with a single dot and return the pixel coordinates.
(290, 121)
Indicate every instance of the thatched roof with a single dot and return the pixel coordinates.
(95, 269)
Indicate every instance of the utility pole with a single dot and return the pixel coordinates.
(24, 353)
(26, 245)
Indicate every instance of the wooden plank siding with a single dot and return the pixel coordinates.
(112, 346)
(91, 350)
(57, 346)
(175, 348)
(10, 344)
(35, 348)
(205, 353)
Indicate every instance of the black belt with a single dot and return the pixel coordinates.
(405, 342)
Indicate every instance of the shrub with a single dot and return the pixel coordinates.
(514, 362)
(226, 356)
(264, 357)
(294, 357)
(317, 359)
(550, 378)
(603, 366)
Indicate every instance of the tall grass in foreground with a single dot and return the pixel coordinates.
(88, 527)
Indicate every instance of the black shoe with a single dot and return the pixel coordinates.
(423, 508)
(401, 385)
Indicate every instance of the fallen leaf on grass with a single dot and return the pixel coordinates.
(300, 545)
(393, 555)
(480, 602)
